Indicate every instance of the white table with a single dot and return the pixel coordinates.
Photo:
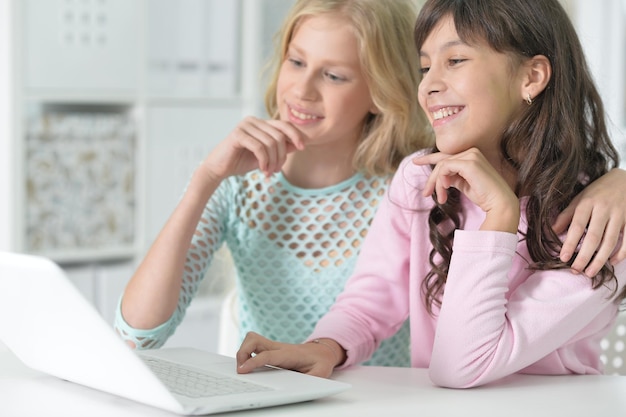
(377, 391)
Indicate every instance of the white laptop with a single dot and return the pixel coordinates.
(50, 327)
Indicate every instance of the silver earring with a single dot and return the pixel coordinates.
(529, 100)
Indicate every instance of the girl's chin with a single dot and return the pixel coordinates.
(443, 145)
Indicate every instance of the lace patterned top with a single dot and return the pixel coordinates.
(293, 250)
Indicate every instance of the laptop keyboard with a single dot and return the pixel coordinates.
(195, 384)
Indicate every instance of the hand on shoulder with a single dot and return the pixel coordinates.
(595, 222)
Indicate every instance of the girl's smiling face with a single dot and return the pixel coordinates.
(321, 87)
(469, 92)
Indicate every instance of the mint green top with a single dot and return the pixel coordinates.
(293, 250)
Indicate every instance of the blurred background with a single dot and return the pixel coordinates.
(107, 106)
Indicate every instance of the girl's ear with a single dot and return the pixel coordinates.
(537, 75)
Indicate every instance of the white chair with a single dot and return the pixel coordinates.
(614, 348)
(228, 340)
(220, 283)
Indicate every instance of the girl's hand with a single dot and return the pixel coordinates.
(599, 214)
(477, 179)
(310, 358)
(254, 143)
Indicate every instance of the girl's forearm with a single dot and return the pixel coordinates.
(151, 295)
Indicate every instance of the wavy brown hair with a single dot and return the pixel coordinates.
(557, 145)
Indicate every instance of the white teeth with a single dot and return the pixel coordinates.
(445, 112)
(302, 116)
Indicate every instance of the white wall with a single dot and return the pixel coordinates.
(601, 26)
(6, 124)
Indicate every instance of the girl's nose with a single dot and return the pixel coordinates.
(432, 82)
(305, 87)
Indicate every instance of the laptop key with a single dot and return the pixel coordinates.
(196, 384)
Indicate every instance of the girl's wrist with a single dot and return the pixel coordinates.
(504, 219)
(207, 174)
(339, 354)
(202, 184)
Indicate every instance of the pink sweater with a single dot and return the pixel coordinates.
(497, 318)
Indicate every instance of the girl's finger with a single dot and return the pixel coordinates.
(268, 145)
(430, 159)
(600, 252)
(293, 135)
(620, 255)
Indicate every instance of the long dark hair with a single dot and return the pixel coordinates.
(557, 145)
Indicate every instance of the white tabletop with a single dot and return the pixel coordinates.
(376, 391)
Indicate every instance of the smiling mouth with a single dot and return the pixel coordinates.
(445, 112)
(302, 116)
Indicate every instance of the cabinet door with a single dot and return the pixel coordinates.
(192, 48)
(179, 139)
(78, 46)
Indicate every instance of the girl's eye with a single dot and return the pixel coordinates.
(424, 70)
(456, 61)
(334, 78)
(295, 62)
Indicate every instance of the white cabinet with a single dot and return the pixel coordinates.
(179, 138)
(193, 48)
(116, 102)
(80, 45)
(78, 128)
(111, 94)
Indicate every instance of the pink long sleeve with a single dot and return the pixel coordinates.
(497, 318)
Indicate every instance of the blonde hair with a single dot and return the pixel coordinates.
(384, 32)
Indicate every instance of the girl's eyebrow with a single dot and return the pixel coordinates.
(338, 62)
(445, 46)
(293, 47)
